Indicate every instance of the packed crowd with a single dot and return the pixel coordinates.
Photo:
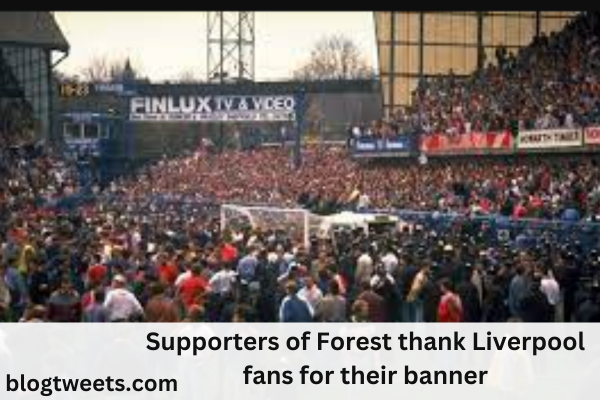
(131, 257)
(559, 187)
(150, 248)
(150, 262)
(552, 83)
(30, 173)
(31, 179)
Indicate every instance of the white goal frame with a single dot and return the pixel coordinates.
(251, 212)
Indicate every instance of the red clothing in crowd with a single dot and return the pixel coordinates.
(450, 308)
(191, 289)
(96, 274)
(87, 299)
(485, 204)
(228, 253)
(520, 211)
(545, 181)
(536, 202)
(168, 273)
(18, 234)
(583, 198)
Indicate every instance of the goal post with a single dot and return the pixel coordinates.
(297, 222)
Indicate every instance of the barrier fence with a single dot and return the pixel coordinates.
(496, 230)
(521, 232)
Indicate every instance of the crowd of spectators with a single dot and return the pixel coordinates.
(31, 180)
(150, 248)
(152, 261)
(30, 173)
(383, 129)
(551, 187)
(128, 257)
(552, 83)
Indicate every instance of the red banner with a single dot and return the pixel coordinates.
(475, 142)
(592, 135)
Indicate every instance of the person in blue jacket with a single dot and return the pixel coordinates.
(294, 308)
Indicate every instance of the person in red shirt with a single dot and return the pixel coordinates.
(450, 306)
(97, 273)
(520, 211)
(228, 253)
(536, 204)
(192, 289)
(486, 205)
(168, 272)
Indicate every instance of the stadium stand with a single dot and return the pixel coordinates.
(551, 83)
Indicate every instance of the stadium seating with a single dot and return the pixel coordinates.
(553, 82)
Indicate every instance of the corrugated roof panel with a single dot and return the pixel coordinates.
(31, 28)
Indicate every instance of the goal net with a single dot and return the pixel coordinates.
(296, 223)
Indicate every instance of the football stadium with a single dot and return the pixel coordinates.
(458, 182)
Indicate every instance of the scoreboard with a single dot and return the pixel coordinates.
(73, 89)
(83, 89)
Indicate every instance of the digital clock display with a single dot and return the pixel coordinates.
(69, 89)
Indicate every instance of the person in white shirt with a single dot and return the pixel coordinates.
(364, 268)
(311, 293)
(390, 263)
(549, 286)
(122, 305)
(222, 282)
(136, 240)
(467, 127)
(569, 121)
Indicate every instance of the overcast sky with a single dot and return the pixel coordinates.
(165, 44)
